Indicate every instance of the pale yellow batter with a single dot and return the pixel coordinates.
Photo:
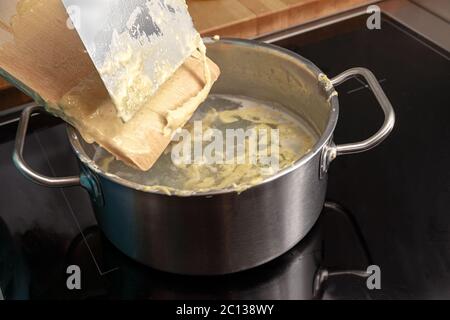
(221, 112)
(140, 141)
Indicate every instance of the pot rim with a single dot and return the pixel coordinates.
(318, 147)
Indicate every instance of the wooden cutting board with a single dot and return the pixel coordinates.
(251, 18)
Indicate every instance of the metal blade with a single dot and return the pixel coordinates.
(136, 45)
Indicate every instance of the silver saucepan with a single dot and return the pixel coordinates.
(225, 231)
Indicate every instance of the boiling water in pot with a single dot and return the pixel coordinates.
(230, 143)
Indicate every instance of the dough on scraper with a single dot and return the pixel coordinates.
(58, 71)
(140, 141)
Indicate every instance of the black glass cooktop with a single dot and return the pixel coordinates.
(389, 206)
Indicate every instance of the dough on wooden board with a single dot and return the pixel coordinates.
(38, 50)
(140, 141)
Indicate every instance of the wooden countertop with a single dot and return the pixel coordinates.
(251, 18)
(242, 19)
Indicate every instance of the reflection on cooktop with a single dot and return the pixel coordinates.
(107, 273)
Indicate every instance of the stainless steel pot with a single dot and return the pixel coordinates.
(223, 232)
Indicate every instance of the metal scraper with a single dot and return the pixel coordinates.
(136, 45)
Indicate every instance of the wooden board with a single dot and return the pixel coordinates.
(251, 18)
(269, 14)
(210, 15)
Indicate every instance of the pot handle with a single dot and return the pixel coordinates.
(24, 168)
(332, 150)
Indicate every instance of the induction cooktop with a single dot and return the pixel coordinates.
(388, 207)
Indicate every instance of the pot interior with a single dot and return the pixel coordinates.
(254, 71)
(273, 74)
